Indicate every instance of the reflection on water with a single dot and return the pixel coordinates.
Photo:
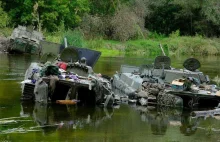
(12, 67)
(52, 117)
(40, 122)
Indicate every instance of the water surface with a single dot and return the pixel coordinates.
(126, 123)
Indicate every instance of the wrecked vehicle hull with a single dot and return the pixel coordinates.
(162, 81)
(146, 93)
(25, 40)
(64, 80)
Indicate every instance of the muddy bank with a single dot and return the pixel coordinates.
(4, 42)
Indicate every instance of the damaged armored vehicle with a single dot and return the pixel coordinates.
(68, 79)
(25, 40)
(168, 86)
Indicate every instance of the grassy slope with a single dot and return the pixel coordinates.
(145, 47)
(176, 45)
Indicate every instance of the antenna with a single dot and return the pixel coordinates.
(162, 49)
(65, 42)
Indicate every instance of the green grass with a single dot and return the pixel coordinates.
(197, 45)
(110, 53)
(173, 45)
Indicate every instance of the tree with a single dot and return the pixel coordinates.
(103, 7)
(211, 9)
(19, 11)
(49, 15)
(163, 17)
(3, 16)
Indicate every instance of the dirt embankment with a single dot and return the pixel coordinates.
(4, 42)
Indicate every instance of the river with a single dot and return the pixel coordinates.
(125, 123)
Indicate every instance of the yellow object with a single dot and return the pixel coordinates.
(218, 93)
(178, 82)
(67, 102)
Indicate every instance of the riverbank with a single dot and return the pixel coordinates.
(182, 45)
(173, 45)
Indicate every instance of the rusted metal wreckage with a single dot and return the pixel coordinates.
(25, 40)
(163, 85)
(68, 79)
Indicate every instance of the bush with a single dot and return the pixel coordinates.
(4, 17)
(74, 38)
(95, 43)
(92, 25)
(144, 47)
(196, 45)
(125, 24)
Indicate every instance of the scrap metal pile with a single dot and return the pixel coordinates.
(163, 85)
(60, 81)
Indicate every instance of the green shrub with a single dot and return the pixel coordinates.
(154, 35)
(197, 45)
(95, 43)
(144, 47)
(74, 38)
(4, 17)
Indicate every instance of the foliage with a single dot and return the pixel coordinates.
(92, 25)
(124, 24)
(120, 20)
(105, 7)
(143, 47)
(173, 45)
(4, 17)
(74, 38)
(187, 16)
(95, 43)
(128, 22)
(175, 34)
(48, 14)
(196, 45)
(211, 10)
(162, 20)
(155, 35)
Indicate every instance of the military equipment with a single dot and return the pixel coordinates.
(25, 40)
(91, 56)
(74, 81)
(172, 87)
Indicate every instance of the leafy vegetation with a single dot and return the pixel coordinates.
(3, 16)
(120, 20)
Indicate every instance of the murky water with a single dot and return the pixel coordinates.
(37, 122)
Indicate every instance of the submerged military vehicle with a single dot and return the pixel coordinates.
(69, 77)
(188, 87)
(25, 40)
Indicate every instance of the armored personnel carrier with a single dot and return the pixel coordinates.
(25, 40)
(173, 87)
(67, 77)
